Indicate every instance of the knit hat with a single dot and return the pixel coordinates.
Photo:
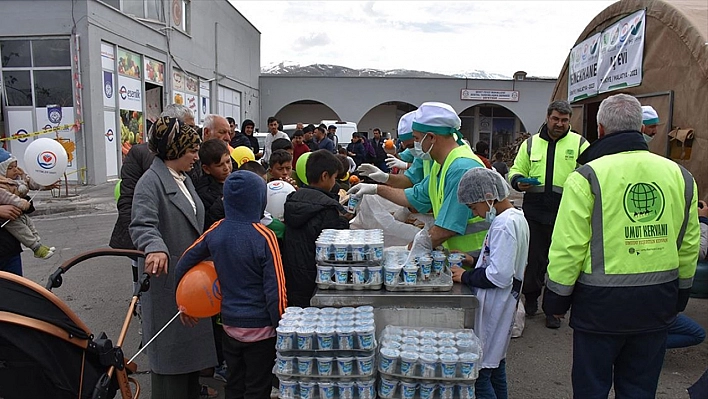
(649, 116)
(170, 139)
(5, 160)
(438, 118)
(405, 128)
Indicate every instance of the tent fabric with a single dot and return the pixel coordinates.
(675, 59)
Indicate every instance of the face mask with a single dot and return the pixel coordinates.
(491, 214)
(418, 150)
(647, 137)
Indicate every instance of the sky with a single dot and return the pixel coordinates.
(435, 36)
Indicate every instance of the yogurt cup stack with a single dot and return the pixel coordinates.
(349, 259)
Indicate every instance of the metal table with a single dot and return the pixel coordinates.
(451, 309)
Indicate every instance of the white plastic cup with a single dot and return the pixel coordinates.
(387, 388)
(387, 360)
(305, 365)
(325, 338)
(345, 339)
(428, 365)
(375, 275)
(466, 391)
(366, 389)
(455, 259)
(285, 335)
(345, 364)
(327, 390)
(358, 251)
(305, 337)
(353, 203)
(364, 309)
(427, 389)
(408, 363)
(287, 389)
(365, 337)
(408, 389)
(410, 275)
(341, 275)
(438, 262)
(358, 275)
(341, 252)
(285, 364)
(410, 340)
(324, 274)
(448, 365)
(467, 363)
(365, 365)
(446, 390)
(426, 267)
(324, 366)
(391, 274)
(307, 390)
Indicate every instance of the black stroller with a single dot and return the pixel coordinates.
(46, 351)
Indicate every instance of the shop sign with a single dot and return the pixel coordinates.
(130, 94)
(154, 72)
(582, 69)
(489, 95)
(622, 53)
(129, 64)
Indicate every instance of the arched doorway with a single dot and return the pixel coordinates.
(384, 116)
(305, 111)
(492, 123)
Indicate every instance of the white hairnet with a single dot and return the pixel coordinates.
(481, 185)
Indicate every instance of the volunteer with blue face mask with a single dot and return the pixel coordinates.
(437, 138)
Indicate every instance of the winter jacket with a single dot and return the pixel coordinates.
(241, 140)
(210, 192)
(137, 161)
(246, 257)
(9, 245)
(253, 140)
(359, 152)
(308, 211)
(380, 152)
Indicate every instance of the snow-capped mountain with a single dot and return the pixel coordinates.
(291, 68)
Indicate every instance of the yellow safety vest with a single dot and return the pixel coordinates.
(477, 227)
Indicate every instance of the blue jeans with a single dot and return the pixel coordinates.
(12, 264)
(491, 383)
(684, 332)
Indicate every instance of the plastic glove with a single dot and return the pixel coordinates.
(373, 172)
(393, 162)
(363, 189)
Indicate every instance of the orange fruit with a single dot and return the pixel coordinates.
(388, 144)
(353, 180)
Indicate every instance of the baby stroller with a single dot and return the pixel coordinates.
(46, 351)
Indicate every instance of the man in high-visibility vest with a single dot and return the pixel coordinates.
(437, 137)
(548, 156)
(623, 254)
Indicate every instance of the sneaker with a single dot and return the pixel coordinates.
(44, 252)
(531, 306)
(552, 322)
(220, 373)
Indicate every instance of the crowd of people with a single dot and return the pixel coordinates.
(184, 199)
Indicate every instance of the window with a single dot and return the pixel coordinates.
(15, 53)
(50, 53)
(18, 88)
(149, 9)
(53, 87)
(134, 7)
(230, 103)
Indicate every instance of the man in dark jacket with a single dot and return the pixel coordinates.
(308, 211)
(238, 138)
(356, 149)
(377, 143)
(247, 128)
(308, 137)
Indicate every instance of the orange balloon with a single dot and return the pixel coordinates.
(199, 292)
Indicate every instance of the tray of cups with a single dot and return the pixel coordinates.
(349, 246)
(327, 389)
(392, 387)
(355, 277)
(429, 354)
(317, 367)
(327, 329)
(428, 272)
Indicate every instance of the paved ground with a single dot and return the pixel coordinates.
(99, 291)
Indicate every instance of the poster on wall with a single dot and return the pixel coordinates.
(204, 105)
(582, 69)
(109, 99)
(178, 94)
(108, 57)
(19, 122)
(153, 106)
(191, 88)
(129, 64)
(111, 139)
(622, 53)
(53, 116)
(131, 129)
(154, 72)
(130, 101)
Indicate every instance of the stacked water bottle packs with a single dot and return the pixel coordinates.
(428, 363)
(427, 272)
(326, 353)
(349, 259)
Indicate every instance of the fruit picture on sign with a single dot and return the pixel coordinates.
(129, 64)
(154, 71)
(131, 129)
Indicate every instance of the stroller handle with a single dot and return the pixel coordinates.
(55, 280)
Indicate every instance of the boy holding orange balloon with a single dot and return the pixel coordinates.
(252, 284)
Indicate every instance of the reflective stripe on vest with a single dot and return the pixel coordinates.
(568, 148)
(598, 277)
(477, 227)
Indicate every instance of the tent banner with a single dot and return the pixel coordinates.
(582, 76)
(622, 53)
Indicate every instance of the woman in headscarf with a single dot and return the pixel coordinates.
(167, 217)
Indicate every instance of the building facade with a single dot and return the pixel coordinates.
(491, 110)
(92, 73)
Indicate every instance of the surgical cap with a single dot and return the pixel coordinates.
(405, 128)
(649, 115)
(438, 118)
(481, 185)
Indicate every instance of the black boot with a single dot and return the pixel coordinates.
(531, 304)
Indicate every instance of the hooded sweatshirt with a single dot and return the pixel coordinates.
(254, 141)
(308, 211)
(245, 254)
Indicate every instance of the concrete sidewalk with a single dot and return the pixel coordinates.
(80, 198)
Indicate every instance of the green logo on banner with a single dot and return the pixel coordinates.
(644, 202)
